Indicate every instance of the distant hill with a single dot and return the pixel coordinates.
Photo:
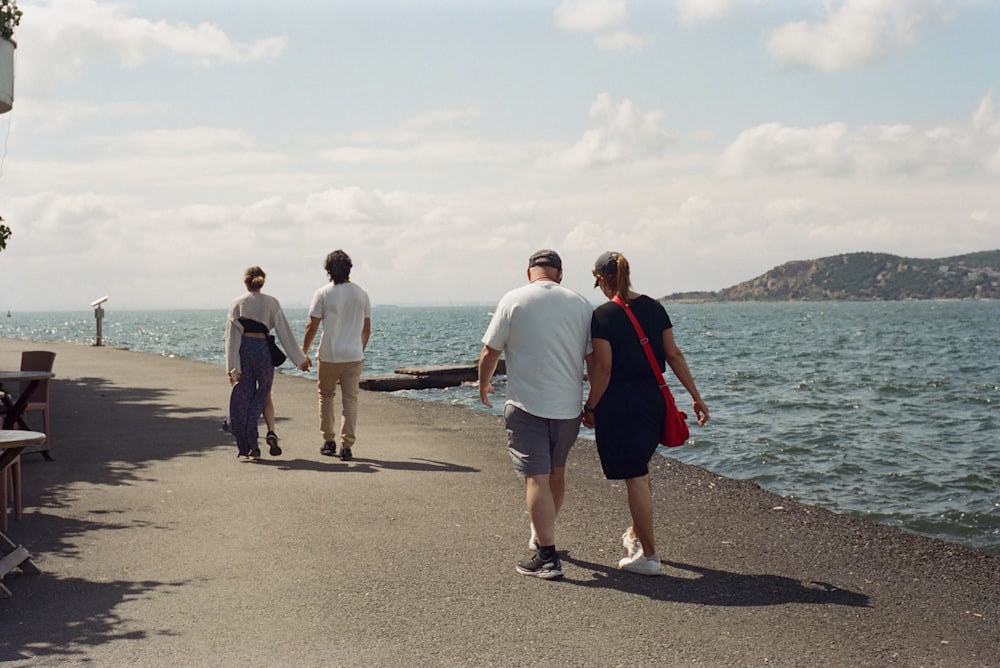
(867, 277)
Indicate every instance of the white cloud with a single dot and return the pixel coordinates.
(447, 117)
(591, 15)
(439, 151)
(189, 140)
(58, 114)
(950, 152)
(985, 118)
(691, 12)
(857, 32)
(63, 36)
(621, 41)
(775, 148)
(627, 134)
(605, 17)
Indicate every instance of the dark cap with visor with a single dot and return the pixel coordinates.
(545, 258)
(606, 265)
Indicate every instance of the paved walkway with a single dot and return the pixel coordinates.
(159, 549)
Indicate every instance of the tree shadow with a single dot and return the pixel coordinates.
(63, 617)
(706, 586)
(103, 435)
(111, 435)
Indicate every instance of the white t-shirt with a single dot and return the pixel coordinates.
(343, 308)
(544, 331)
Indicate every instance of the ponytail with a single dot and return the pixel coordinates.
(612, 269)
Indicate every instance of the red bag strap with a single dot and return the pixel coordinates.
(644, 340)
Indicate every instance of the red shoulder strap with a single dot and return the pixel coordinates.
(644, 340)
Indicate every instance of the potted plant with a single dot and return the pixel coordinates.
(10, 18)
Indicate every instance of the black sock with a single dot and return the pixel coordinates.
(546, 552)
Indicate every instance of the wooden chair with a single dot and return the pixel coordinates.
(10, 491)
(10, 477)
(38, 360)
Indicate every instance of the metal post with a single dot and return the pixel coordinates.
(99, 315)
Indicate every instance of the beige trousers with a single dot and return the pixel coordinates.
(348, 374)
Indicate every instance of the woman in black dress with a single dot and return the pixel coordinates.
(625, 405)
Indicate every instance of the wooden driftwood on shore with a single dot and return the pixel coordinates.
(425, 378)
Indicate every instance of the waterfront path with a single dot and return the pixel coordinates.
(158, 548)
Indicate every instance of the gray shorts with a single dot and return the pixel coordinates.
(537, 445)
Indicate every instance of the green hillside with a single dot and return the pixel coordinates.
(868, 277)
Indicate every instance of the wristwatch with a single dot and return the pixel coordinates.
(587, 408)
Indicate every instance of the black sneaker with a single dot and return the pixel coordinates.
(255, 454)
(329, 449)
(272, 442)
(541, 568)
(345, 454)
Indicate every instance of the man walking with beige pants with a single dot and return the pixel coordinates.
(345, 312)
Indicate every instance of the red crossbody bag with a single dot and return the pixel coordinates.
(675, 429)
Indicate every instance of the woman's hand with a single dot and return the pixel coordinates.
(700, 411)
(588, 420)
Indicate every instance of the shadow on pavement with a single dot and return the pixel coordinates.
(713, 587)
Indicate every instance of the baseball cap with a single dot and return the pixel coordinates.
(606, 264)
(545, 258)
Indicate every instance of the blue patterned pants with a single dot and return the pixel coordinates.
(246, 403)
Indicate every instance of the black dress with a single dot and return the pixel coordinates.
(630, 415)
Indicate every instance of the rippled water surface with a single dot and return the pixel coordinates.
(883, 410)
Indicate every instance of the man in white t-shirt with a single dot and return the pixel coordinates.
(345, 312)
(543, 329)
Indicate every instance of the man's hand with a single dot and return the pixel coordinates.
(483, 392)
(486, 366)
(305, 365)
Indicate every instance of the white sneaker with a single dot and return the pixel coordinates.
(641, 565)
(533, 541)
(631, 545)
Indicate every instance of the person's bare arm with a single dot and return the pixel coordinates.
(487, 366)
(677, 364)
(599, 373)
(310, 334)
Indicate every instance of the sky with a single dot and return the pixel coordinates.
(157, 149)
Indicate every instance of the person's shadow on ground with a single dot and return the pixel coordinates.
(714, 587)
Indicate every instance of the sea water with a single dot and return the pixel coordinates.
(883, 410)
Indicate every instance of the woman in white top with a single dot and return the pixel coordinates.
(248, 358)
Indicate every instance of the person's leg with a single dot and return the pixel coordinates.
(640, 505)
(562, 436)
(350, 379)
(239, 405)
(632, 542)
(530, 450)
(541, 508)
(269, 413)
(557, 486)
(327, 386)
(263, 376)
(247, 400)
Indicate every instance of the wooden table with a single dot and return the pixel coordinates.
(12, 556)
(14, 415)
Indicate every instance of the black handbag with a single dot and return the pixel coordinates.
(277, 356)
